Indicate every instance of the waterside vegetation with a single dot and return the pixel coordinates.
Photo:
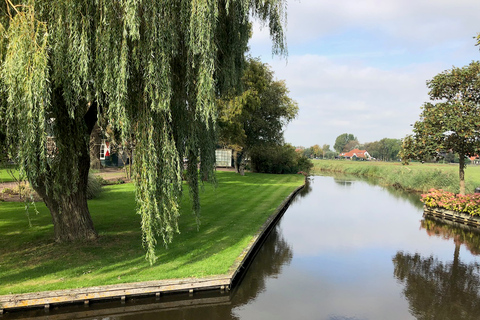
(232, 212)
(469, 204)
(415, 177)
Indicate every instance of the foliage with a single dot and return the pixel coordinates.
(451, 124)
(385, 149)
(316, 152)
(255, 117)
(344, 140)
(469, 203)
(148, 68)
(279, 159)
(325, 150)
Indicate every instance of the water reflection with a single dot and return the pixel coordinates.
(346, 180)
(305, 190)
(460, 234)
(405, 195)
(439, 290)
(272, 257)
(442, 290)
(343, 182)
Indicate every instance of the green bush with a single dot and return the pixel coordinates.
(279, 159)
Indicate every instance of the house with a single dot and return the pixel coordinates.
(112, 158)
(475, 159)
(356, 153)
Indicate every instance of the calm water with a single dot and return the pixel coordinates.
(343, 250)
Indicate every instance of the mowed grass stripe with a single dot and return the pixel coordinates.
(231, 214)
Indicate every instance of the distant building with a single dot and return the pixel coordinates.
(356, 153)
(224, 158)
(112, 158)
(475, 159)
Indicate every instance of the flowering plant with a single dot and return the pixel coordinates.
(469, 203)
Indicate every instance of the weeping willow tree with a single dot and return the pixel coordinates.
(151, 69)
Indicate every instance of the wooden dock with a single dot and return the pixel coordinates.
(452, 216)
(46, 299)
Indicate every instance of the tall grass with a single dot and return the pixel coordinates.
(416, 176)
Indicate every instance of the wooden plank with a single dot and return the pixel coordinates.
(449, 215)
(106, 292)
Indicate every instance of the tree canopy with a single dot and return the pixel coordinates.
(385, 149)
(344, 140)
(148, 68)
(254, 116)
(452, 123)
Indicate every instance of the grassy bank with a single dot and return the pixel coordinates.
(416, 176)
(31, 261)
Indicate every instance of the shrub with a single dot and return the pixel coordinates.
(279, 159)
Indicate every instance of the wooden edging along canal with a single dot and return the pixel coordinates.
(122, 291)
(452, 216)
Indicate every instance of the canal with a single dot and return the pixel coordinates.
(344, 249)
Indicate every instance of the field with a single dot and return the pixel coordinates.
(30, 260)
(415, 176)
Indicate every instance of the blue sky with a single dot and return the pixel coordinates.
(361, 66)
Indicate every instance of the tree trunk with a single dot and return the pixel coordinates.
(240, 163)
(461, 173)
(235, 161)
(71, 217)
(67, 198)
(95, 141)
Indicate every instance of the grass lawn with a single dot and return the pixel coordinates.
(415, 176)
(31, 261)
(5, 175)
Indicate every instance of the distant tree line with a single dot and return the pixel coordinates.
(386, 149)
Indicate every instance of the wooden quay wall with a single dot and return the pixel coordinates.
(452, 216)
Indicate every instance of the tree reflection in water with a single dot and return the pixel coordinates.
(441, 290)
(272, 256)
(304, 191)
(343, 182)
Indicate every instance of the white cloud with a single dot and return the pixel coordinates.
(361, 66)
(336, 98)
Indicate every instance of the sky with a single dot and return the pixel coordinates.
(361, 66)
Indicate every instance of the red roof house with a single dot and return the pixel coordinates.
(356, 153)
